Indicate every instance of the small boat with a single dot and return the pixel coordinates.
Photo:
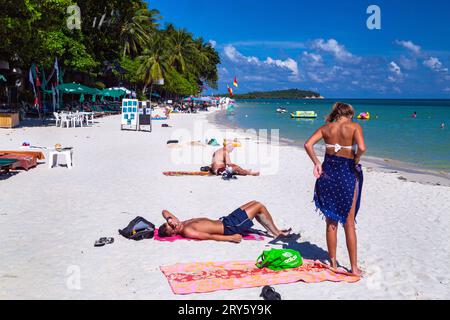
(304, 115)
(281, 110)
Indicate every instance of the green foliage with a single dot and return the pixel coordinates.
(35, 31)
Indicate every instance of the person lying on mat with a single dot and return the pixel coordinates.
(227, 229)
(221, 160)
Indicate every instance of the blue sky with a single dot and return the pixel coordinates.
(324, 45)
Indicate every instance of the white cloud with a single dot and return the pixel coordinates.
(235, 56)
(408, 64)
(434, 64)
(393, 67)
(213, 43)
(288, 64)
(312, 59)
(270, 44)
(396, 72)
(336, 49)
(409, 45)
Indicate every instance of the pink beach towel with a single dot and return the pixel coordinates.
(206, 277)
(254, 237)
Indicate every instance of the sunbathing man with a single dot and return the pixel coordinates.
(221, 160)
(227, 229)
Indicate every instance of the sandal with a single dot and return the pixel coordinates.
(103, 241)
(269, 293)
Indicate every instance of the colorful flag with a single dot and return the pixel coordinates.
(38, 82)
(235, 83)
(230, 90)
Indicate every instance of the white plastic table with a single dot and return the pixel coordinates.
(53, 157)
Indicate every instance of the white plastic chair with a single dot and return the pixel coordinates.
(57, 118)
(78, 119)
(90, 119)
(65, 120)
(53, 158)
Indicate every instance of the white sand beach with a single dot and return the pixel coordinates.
(50, 219)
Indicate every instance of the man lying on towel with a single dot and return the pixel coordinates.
(227, 229)
(221, 160)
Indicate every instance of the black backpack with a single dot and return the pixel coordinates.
(139, 229)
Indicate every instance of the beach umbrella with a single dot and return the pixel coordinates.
(113, 93)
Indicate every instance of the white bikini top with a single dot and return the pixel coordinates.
(337, 147)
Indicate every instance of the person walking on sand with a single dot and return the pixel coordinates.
(221, 160)
(339, 179)
(227, 229)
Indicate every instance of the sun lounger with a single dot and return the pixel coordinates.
(25, 162)
(6, 165)
(36, 154)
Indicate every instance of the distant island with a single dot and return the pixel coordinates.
(280, 94)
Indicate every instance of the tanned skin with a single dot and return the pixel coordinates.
(207, 229)
(346, 133)
(221, 159)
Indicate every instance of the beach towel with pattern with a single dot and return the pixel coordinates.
(203, 277)
(186, 173)
(251, 236)
(335, 189)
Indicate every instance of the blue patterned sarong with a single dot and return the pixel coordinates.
(335, 190)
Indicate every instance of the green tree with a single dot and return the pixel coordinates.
(136, 32)
(154, 61)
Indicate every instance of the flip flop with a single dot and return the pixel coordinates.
(269, 293)
(103, 241)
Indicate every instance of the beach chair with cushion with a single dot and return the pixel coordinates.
(6, 165)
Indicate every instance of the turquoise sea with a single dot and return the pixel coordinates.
(392, 133)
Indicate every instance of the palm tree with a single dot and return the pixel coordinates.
(154, 62)
(182, 49)
(136, 32)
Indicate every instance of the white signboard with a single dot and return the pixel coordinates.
(130, 113)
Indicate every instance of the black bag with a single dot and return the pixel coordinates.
(139, 229)
(205, 169)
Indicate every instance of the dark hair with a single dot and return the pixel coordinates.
(340, 110)
(163, 232)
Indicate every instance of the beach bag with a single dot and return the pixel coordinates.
(279, 259)
(139, 229)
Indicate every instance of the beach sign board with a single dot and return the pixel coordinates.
(145, 116)
(136, 115)
(130, 113)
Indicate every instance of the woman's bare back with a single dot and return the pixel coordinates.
(343, 134)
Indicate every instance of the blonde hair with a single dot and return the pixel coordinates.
(340, 110)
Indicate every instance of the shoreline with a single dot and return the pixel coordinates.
(405, 171)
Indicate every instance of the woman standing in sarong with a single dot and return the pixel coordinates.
(339, 179)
